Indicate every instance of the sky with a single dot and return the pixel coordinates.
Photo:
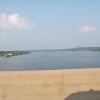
(49, 24)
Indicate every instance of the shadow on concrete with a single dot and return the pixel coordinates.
(85, 95)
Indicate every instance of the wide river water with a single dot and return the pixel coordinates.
(51, 60)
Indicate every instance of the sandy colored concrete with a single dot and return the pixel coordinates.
(47, 85)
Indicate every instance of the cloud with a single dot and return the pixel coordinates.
(87, 28)
(14, 21)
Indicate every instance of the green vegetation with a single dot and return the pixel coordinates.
(12, 53)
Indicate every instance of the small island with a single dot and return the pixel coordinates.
(7, 54)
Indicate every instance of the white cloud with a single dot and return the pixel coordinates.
(14, 21)
(87, 28)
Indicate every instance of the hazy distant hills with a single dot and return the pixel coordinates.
(39, 50)
(85, 49)
(72, 49)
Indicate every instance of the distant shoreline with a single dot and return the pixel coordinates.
(7, 54)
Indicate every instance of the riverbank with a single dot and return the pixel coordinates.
(47, 85)
(7, 54)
